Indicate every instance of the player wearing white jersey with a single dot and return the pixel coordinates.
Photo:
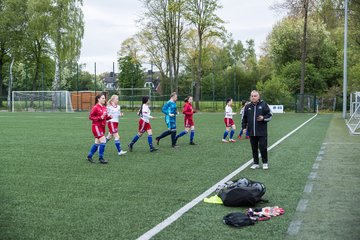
(113, 109)
(229, 123)
(144, 125)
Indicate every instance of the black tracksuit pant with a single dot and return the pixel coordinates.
(259, 142)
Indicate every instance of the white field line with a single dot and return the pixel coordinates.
(158, 228)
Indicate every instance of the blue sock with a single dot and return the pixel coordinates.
(117, 144)
(225, 134)
(93, 149)
(192, 134)
(150, 141)
(101, 150)
(241, 132)
(232, 133)
(181, 134)
(135, 139)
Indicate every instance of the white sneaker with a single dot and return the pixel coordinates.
(224, 141)
(265, 166)
(255, 166)
(122, 152)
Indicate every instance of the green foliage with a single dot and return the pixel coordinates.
(354, 78)
(275, 91)
(131, 74)
(290, 75)
(285, 42)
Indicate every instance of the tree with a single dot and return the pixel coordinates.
(284, 44)
(275, 91)
(314, 83)
(131, 75)
(36, 43)
(301, 8)
(67, 30)
(130, 47)
(12, 26)
(201, 14)
(162, 36)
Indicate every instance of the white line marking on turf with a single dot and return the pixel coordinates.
(158, 228)
(294, 227)
(308, 188)
(315, 166)
(312, 175)
(301, 207)
(340, 143)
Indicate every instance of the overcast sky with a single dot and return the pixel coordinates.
(109, 22)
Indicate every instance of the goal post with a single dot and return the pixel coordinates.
(41, 101)
(354, 121)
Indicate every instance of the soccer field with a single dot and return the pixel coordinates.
(49, 190)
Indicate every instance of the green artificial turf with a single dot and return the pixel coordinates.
(49, 191)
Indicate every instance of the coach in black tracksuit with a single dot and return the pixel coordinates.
(256, 115)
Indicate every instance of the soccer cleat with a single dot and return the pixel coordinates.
(122, 152)
(103, 161)
(153, 149)
(224, 141)
(157, 141)
(175, 146)
(192, 143)
(247, 137)
(232, 140)
(265, 166)
(90, 159)
(239, 137)
(255, 166)
(130, 146)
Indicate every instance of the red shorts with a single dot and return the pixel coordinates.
(228, 122)
(98, 131)
(143, 126)
(188, 122)
(113, 127)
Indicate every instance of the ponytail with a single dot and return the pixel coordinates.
(140, 110)
(144, 100)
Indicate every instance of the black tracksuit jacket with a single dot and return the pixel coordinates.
(251, 111)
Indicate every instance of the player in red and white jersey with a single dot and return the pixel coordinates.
(229, 123)
(188, 111)
(144, 125)
(98, 115)
(113, 109)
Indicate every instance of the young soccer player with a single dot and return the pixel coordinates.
(144, 125)
(243, 104)
(169, 109)
(188, 111)
(114, 111)
(98, 115)
(229, 123)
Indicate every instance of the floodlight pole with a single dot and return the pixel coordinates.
(77, 86)
(42, 86)
(345, 61)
